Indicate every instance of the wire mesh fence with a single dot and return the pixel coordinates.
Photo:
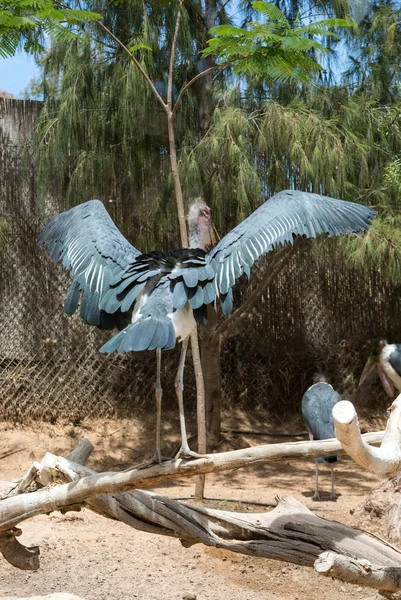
(319, 313)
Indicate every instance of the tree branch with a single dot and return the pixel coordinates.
(172, 57)
(227, 327)
(290, 532)
(383, 460)
(193, 80)
(359, 571)
(17, 508)
(135, 61)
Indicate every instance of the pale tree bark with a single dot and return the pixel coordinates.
(383, 460)
(290, 532)
(384, 502)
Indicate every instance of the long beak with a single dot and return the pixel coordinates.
(214, 237)
(371, 365)
(386, 381)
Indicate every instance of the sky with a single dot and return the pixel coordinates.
(16, 73)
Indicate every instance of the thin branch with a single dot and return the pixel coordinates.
(172, 57)
(192, 81)
(135, 61)
(226, 328)
(129, 54)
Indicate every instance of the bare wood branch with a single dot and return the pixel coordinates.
(193, 80)
(172, 57)
(228, 326)
(81, 453)
(135, 61)
(16, 554)
(359, 571)
(13, 510)
(290, 532)
(383, 460)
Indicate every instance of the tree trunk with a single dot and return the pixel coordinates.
(211, 367)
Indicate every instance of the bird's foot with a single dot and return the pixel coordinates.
(333, 496)
(157, 459)
(316, 497)
(186, 452)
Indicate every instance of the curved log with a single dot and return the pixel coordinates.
(383, 460)
(290, 532)
(16, 554)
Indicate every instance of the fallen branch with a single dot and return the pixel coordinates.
(383, 460)
(359, 571)
(290, 532)
(15, 509)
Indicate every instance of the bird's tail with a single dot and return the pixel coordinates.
(152, 327)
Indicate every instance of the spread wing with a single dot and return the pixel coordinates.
(277, 221)
(90, 246)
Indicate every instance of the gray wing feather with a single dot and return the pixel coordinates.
(91, 247)
(278, 221)
(152, 327)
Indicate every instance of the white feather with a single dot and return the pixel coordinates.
(183, 321)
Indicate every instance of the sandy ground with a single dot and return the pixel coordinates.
(97, 559)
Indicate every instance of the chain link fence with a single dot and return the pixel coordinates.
(319, 313)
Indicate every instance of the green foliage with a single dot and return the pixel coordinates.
(375, 52)
(24, 24)
(379, 249)
(101, 134)
(275, 49)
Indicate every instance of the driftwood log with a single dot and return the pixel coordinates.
(383, 460)
(384, 502)
(290, 532)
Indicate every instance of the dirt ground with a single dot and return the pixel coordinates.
(98, 559)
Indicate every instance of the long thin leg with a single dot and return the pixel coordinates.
(333, 496)
(158, 394)
(316, 495)
(179, 388)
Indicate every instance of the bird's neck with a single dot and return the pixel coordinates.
(199, 235)
(202, 234)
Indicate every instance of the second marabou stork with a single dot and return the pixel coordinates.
(317, 407)
(387, 359)
(156, 298)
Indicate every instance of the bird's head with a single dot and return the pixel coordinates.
(202, 232)
(320, 378)
(375, 362)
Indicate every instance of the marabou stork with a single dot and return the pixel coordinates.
(156, 298)
(317, 406)
(387, 358)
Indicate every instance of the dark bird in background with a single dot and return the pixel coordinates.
(157, 298)
(386, 358)
(317, 406)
